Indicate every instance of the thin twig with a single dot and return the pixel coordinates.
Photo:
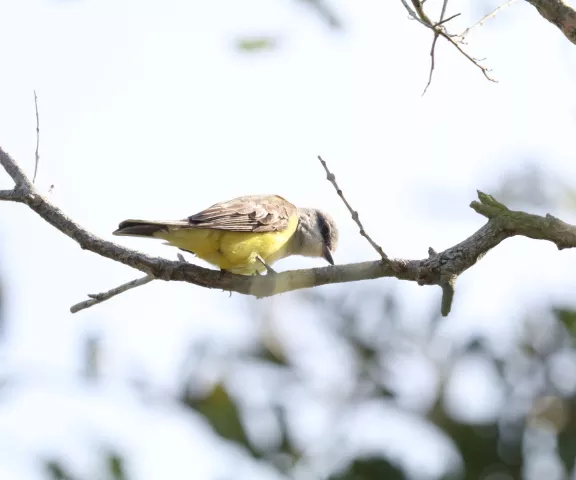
(413, 15)
(419, 15)
(101, 297)
(446, 20)
(481, 22)
(443, 12)
(437, 30)
(475, 61)
(419, 7)
(37, 138)
(332, 179)
(432, 63)
(438, 269)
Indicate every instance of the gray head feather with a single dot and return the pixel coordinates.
(317, 234)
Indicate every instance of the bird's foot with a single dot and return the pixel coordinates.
(223, 272)
(269, 269)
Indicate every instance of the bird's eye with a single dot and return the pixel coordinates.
(324, 228)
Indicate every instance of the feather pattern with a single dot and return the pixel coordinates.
(251, 213)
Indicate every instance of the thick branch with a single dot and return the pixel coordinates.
(438, 269)
(11, 195)
(560, 14)
(520, 223)
(22, 184)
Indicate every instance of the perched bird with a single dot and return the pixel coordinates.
(247, 234)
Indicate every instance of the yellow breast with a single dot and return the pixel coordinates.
(233, 251)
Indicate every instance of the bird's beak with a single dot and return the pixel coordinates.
(328, 255)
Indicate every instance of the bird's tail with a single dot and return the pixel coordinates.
(141, 228)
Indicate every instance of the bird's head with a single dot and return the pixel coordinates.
(317, 234)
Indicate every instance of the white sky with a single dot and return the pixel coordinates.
(147, 110)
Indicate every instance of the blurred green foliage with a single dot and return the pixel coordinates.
(536, 397)
(113, 469)
(492, 449)
(256, 44)
(568, 319)
(368, 324)
(370, 469)
(323, 9)
(326, 12)
(222, 413)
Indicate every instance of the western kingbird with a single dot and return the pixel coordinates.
(247, 234)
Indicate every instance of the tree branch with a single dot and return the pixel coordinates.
(550, 228)
(438, 269)
(433, 49)
(10, 195)
(101, 297)
(558, 13)
(485, 18)
(332, 179)
(37, 154)
(21, 182)
(417, 13)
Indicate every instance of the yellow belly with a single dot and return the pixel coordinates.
(232, 251)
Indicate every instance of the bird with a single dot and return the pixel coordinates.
(245, 235)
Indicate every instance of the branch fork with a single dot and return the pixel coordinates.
(439, 268)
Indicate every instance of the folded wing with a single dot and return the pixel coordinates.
(252, 213)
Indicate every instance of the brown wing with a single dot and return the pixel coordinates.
(252, 213)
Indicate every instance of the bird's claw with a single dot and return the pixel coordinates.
(269, 269)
